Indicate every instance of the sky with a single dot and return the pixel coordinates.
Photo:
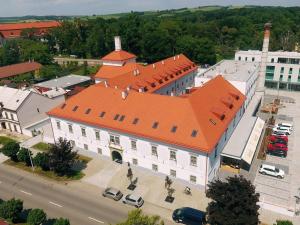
(89, 7)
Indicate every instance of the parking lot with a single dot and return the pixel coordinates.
(282, 192)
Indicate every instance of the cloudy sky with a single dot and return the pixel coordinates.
(89, 7)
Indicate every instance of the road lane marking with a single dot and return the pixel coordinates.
(98, 221)
(25, 192)
(53, 203)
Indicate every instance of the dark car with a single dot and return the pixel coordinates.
(277, 152)
(187, 215)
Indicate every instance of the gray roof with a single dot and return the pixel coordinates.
(232, 70)
(64, 82)
(12, 98)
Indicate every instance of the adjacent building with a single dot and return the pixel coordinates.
(14, 70)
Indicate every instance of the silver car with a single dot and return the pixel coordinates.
(112, 193)
(134, 200)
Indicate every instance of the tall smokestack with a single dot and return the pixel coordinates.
(264, 58)
(118, 46)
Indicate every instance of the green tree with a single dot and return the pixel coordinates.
(61, 221)
(42, 160)
(11, 150)
(61, 157)
(36, 217)
(136, 217)
(11, 209)
(23, 156)
(234, 202)
(51, 71)
(283, 222)
(11, 52)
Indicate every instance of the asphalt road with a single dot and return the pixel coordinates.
(58, 200)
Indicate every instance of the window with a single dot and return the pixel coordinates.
(115, 139)
(289, 78)
(87, 111)
(86, 147)
(15, 127)
(193, 179)
(97, 134)
(102, 114)
(254, 59)
(135, 121)
(70, 128)
(239, 58)
(172, 155)
(75, 108)
(194, 133)
(122, 118)
(193, 160)
(134, 162)
(116, 116)
(99, 150)
(155, 125)
(246, 59)
(12, 116)
(281, 77)
(133, 144)
(154, 150)
(173, 173)
(58, 125)
(272, 60)
(6, 115)
(282, 70)
(154, 167)
(83, 132)
(174, 128)
(291, 71)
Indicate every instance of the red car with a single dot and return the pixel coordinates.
(278, 139)
(277, 146)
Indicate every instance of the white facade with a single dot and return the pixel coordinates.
(283, 68)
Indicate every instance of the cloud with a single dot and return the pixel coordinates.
(88, 7)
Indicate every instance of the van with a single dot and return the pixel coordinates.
(187, 215)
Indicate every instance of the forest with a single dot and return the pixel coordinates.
(204, 36)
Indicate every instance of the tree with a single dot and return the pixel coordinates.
(11, 52)
(137, 217)
(61, 221)
(61, 157)
(24, 155)
(36, 217)
(11, 149)
(283, 222)
(42, 160)
(11, 209)
(168, 182)
(234, 202)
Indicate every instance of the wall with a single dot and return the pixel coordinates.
(42, 129)
(11, 121)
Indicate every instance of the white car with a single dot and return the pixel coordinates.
(285, 125)
(271, 170)
(282, 130)
(134, 200)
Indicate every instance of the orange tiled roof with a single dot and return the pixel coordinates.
(151, 77)
(194, 114)
(20, 68)
(120, 55)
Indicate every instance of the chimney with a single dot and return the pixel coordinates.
(118, 46)
(134, 73)
(105, 83)
(124, 94)
(264, 57)
(174, 57)
(116, 87)
(141, 90)
(153, 65)
(137, 72)
(128, 88)
(163, 62)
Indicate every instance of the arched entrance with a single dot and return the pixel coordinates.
(3, 126)
(116, 156)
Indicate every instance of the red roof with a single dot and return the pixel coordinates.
(3, 222)
(11, 30)
(196, 124)
(17, 69)
(151, 77)
(118, 55)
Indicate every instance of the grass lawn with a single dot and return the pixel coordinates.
(4, 140)
(75, 175)
(44, 147)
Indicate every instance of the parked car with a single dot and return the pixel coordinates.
(134, 200)
(118, 161)
(282, 129)
(285, 125)
(277, 146)
(279, 133)
(112, 193)
(277, 152)
(188, 215)
(276, 138)
(271, 171)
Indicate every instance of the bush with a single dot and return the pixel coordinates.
(283, 222)
(36, 217)
(11, 209)
(62, 221)
(11, 150)
(24, 156)
(42, 160)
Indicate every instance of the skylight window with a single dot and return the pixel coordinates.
(87, 111)
(155, 125)
(63, 106)
(122, 118)
(174, 128)
(135, 121)
(212, 121)
(102, 114)
(116, 117)
(75, 108)
(194, 133)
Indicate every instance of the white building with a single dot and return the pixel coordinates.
(242, 75)
(24, 112)
(283, 68)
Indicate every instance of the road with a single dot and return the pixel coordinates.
(58, 200)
